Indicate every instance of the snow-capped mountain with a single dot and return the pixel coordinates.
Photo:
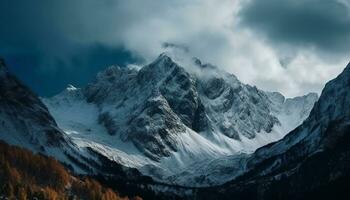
(311, 162)
(169, 119)
(190, 125)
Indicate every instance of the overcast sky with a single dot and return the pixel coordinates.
(291, 46)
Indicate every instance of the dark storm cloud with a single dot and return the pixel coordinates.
(78, 70)
(324, 24)
(49, 44)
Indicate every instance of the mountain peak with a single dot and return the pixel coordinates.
(164, 55)
(158, 69)
(162, 59)
(71, 88)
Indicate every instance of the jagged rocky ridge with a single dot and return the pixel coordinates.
(166, 117)
(311, 162)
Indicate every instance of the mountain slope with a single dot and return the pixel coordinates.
(310, 162)
(26, 122)
(24, 119)
(164, 119)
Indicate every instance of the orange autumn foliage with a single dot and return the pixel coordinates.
(24, 175)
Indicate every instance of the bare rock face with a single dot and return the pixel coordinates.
(107, 121)
(214, 87)
(235, 108)
(154, 129)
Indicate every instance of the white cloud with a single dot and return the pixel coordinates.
(210, 29)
